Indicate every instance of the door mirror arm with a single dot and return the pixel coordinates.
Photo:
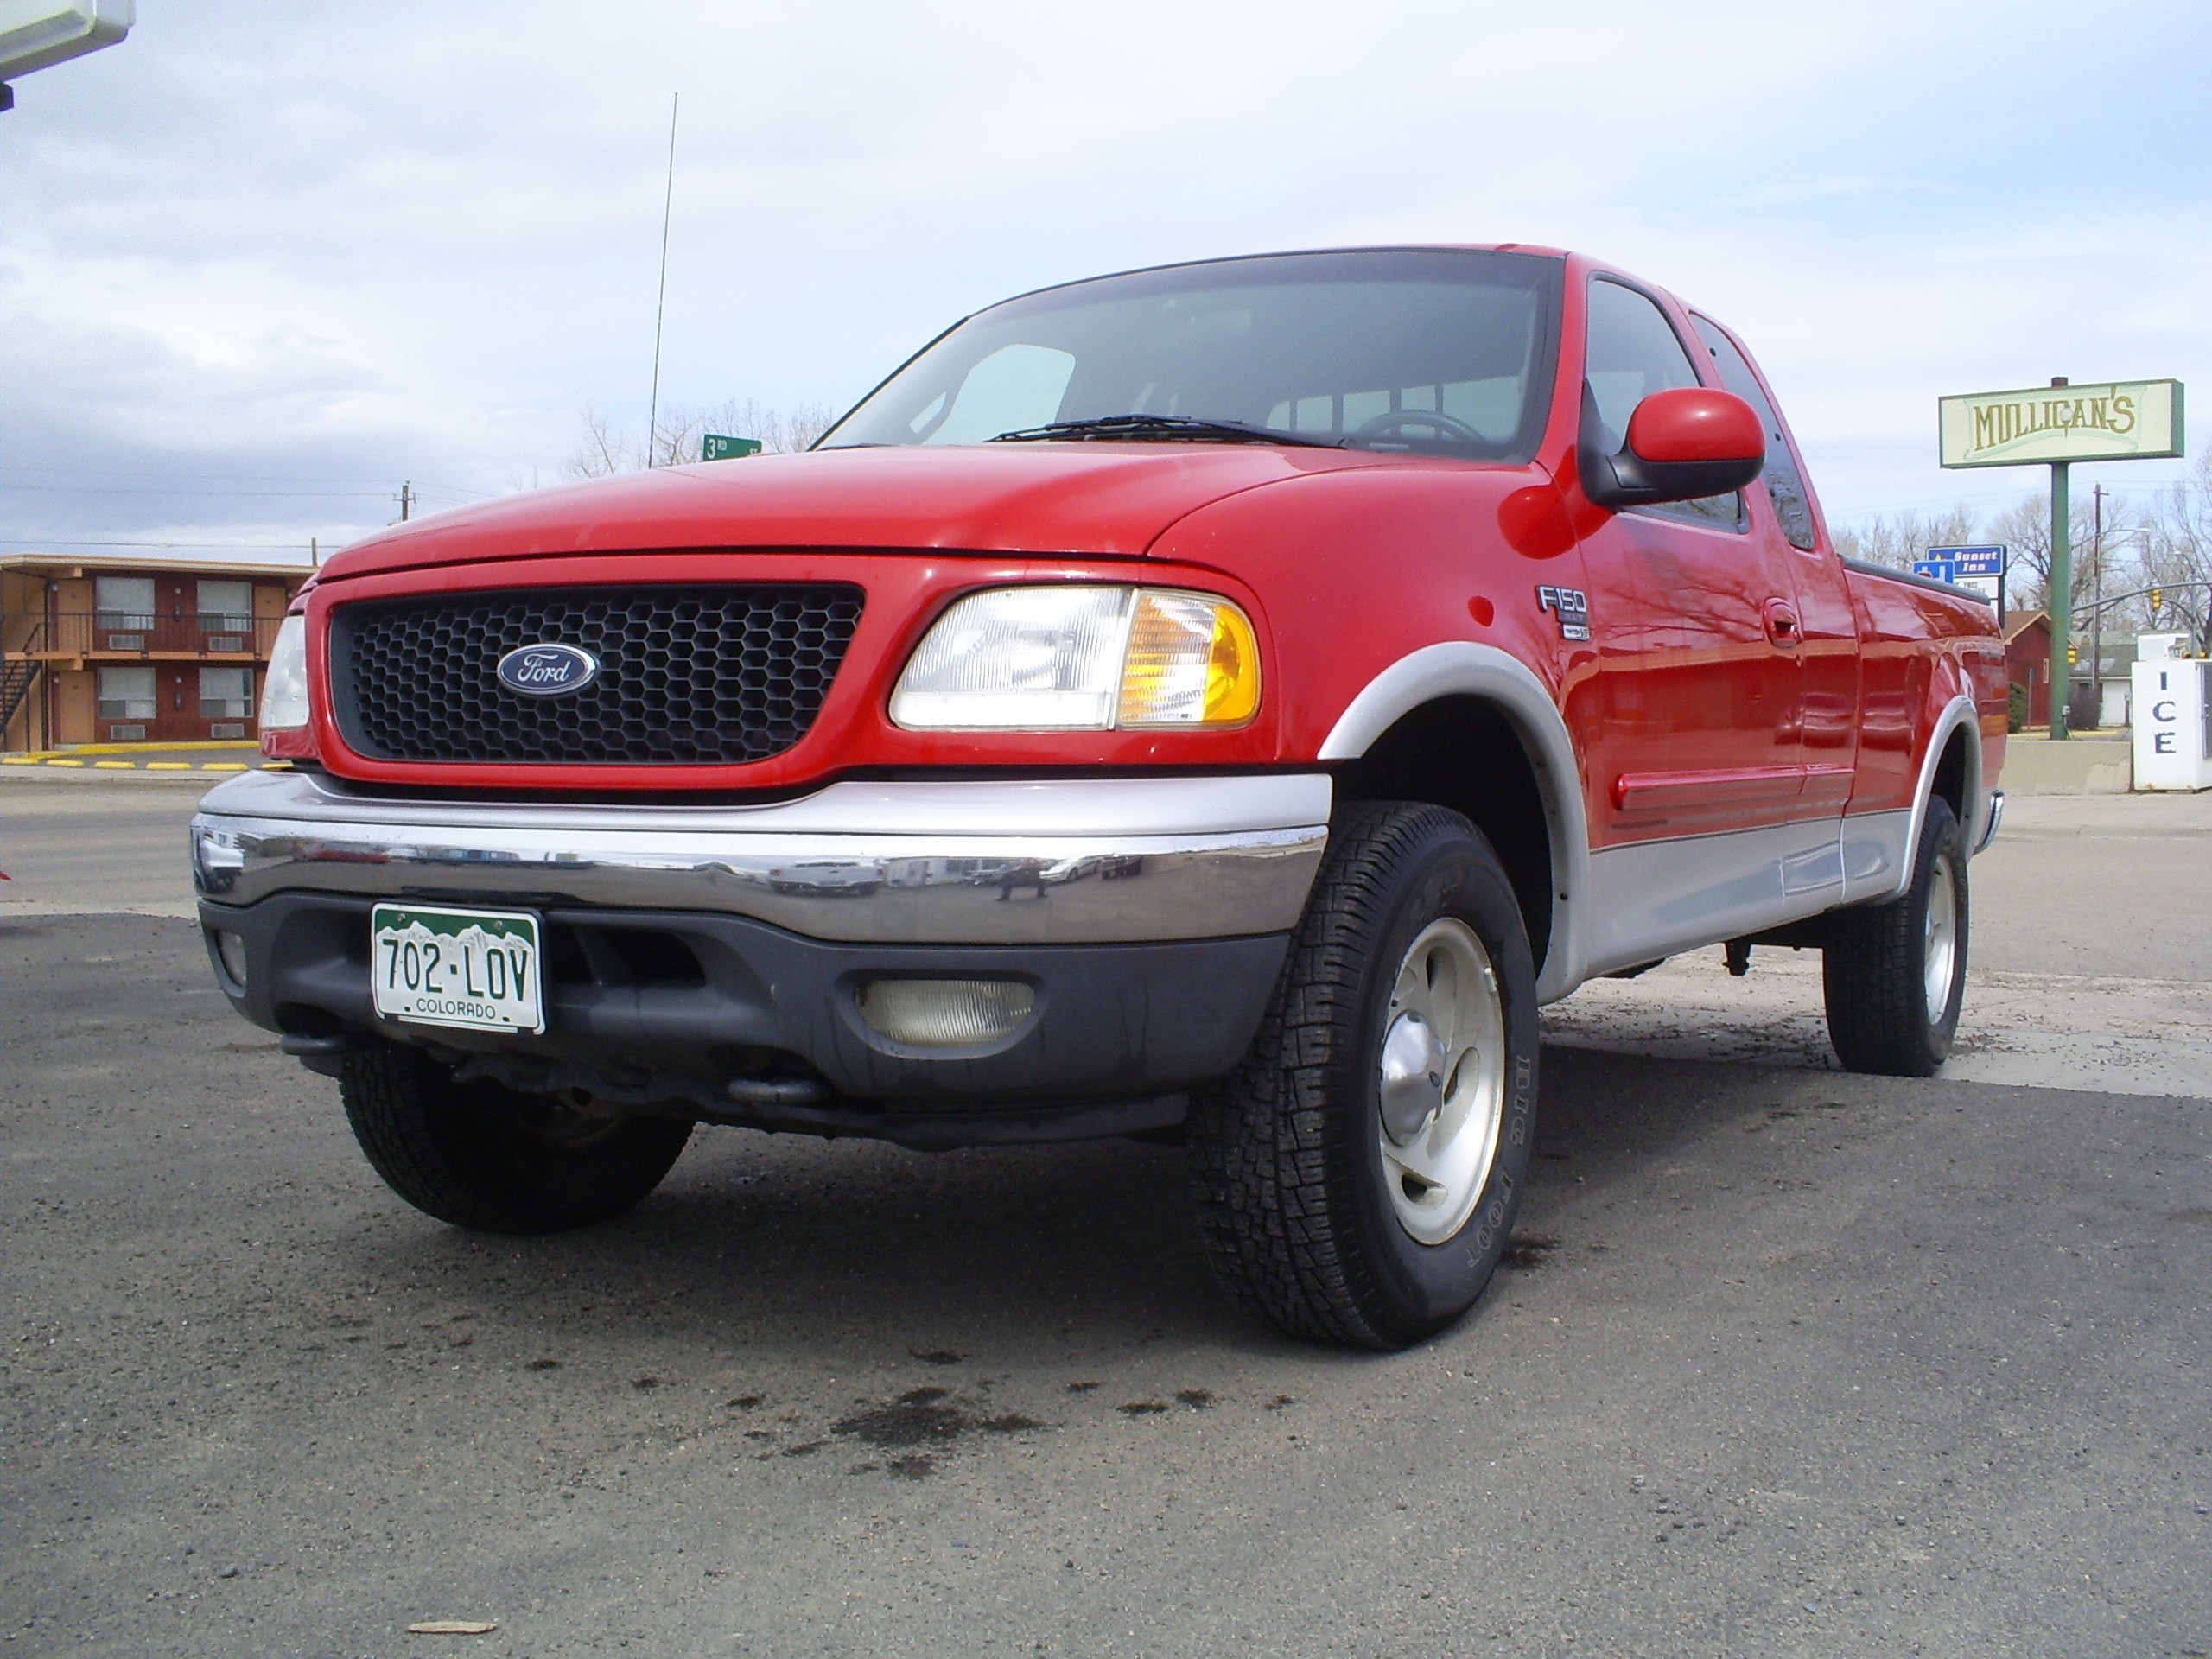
(1683, 443)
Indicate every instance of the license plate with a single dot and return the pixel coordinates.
(477, 970)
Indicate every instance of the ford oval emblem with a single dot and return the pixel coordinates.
(547, 671)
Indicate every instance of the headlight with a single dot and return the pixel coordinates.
(1049, 659)
(284, 688)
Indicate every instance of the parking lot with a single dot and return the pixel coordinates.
(1786, 1361)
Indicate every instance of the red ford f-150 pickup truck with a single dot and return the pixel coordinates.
(1224, 700)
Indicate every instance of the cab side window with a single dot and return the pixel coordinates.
(1784, 487)
(1633, 351)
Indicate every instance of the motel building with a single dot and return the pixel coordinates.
(135, 650)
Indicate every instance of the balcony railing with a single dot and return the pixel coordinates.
(215, 635)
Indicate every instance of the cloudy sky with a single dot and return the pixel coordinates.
(261, 262)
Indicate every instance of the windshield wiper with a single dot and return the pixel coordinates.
(1168, 429)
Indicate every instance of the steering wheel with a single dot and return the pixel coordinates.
(1392, 422)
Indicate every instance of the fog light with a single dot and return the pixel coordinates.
(945, 1012)
(232, 948)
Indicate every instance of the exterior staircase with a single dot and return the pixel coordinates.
(19, 672)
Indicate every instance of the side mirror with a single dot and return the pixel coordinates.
(1684, 442)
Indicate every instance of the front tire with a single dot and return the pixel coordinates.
(483, 1156)
(1895, 975)
(1357, 1176)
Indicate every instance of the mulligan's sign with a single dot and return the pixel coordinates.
(2122, 420)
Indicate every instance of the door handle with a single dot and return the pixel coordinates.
(1782, 624)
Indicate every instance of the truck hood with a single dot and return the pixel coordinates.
(1092, 499)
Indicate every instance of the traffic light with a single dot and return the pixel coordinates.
(2157, 601)
(2073, 655)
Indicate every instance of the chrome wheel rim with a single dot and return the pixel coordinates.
(1939, 948)
(1440, 1081)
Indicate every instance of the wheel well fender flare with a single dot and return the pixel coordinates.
(1958, 713)
(1465, 667)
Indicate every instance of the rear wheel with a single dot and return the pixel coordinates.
(1895, 975)
(480, 1155)
(1357, 1176)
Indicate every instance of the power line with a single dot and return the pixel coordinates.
(2143, 486)
(109, 489)
(361, 486)
(227, 547)
(1959, 496)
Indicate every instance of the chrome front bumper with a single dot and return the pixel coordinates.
(1042, 861)
(1989, 826)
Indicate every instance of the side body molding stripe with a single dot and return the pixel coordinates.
(1463, 668)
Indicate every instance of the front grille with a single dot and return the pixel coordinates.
(688, 676)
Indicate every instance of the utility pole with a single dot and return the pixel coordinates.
(2062, 594)
(406, 501)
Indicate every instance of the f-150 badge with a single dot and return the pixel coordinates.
(1570, 606)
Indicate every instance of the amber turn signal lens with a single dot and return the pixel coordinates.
(1192, 660)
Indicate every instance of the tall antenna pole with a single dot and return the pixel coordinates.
(660, 305)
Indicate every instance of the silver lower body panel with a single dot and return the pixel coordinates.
(1651, 900)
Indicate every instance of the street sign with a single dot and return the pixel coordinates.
(714, 447)
(2114, 420)
(1978, 570)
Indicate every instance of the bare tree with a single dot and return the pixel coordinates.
(676, 438)
(2165, 541)
(1898, 542)
(2176, 549)
(2024, 527)
(602, 452)
(781, 434)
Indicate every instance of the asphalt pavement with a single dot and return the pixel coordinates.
(1785, 1362)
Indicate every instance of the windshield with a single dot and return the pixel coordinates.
(1432, 350)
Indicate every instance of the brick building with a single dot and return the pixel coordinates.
(119, 650)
